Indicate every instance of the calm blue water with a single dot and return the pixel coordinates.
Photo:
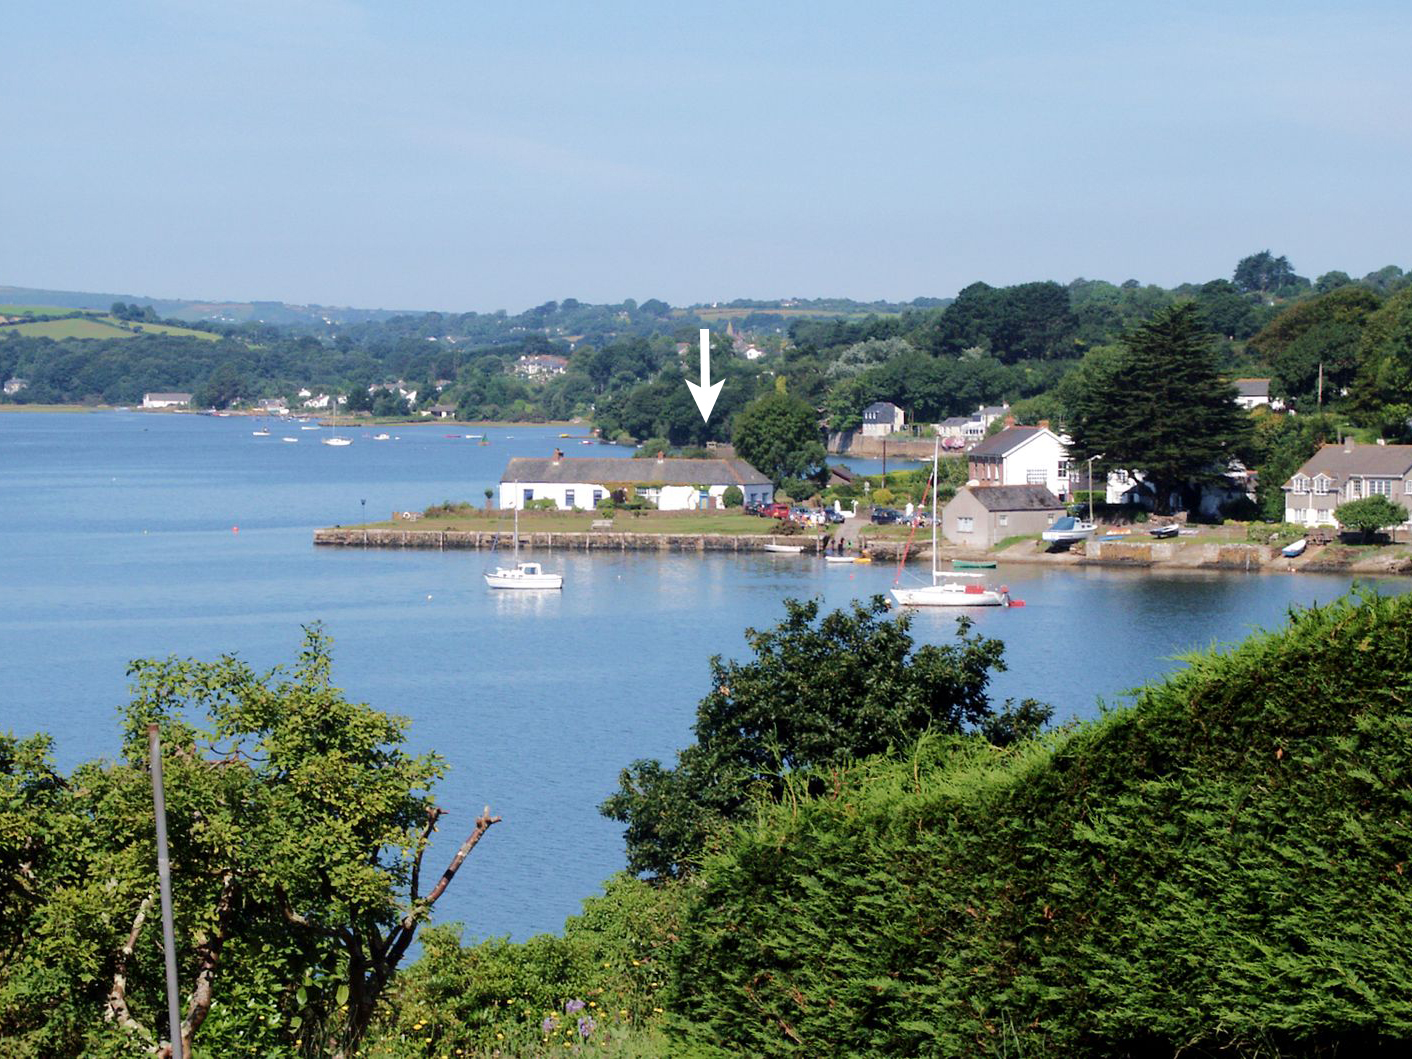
(116, 543)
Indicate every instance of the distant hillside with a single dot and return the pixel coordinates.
(187, 309)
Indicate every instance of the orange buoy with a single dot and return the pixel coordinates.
(235, 529)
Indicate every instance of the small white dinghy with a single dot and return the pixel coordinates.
(841, 559)
(1290, 551)
(785, 549)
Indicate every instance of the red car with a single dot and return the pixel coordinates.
(775, 511)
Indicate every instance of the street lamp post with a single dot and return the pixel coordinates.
(1095, 456)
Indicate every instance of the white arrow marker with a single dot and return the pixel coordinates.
(706, 393)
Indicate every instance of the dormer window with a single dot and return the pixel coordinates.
(1322, 483)
(1300, 484)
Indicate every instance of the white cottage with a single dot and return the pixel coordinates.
(670, 484)
(1022, 456)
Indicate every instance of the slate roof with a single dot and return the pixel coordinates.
(1373, 461)
(595, 470)
(1006, 441)
(1015, 497)
(1253, 387)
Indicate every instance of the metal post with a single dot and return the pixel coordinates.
(164, 879)
(364, 503)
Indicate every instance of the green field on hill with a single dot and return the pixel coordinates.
(37, 310)
(92, 326)
(70, 327)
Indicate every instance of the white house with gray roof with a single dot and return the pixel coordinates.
(1022, 456)
(1337, 474)
(670, 484)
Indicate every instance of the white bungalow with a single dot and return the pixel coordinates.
(670, 484)
(166, 400)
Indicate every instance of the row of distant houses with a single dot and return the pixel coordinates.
(882, 418)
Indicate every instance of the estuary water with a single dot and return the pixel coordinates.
(127, 535)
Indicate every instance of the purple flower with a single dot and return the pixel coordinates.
(586, 1026)
(572, 1007)
(549, 1025)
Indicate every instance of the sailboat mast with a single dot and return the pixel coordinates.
(936, 457)
(517, 524)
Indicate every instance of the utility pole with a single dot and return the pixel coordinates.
(164, 880)
(1321, 385)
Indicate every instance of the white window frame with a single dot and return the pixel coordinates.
(597, 496)
(527, 496)
(1322, 483)
(1002, 520)
(1063, 470)
(965, 524)
(568, 498)
(1378, 486)
(1299, 484)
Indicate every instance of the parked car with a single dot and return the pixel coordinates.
(884, 516)
(835, 517)
(752, 508)
(775, 511)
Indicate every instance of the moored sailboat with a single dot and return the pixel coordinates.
(952, 593)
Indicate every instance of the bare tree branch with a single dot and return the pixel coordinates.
(408, 927)
(208, 955)
(117, 1010)
(433, 815)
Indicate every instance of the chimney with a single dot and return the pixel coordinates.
(1009, 421)
(558, 455)
(661, 457)
(1348, 444)
(1044, 424)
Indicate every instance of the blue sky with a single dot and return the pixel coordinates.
(463, 154)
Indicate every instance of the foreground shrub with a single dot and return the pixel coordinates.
(596, 988)
(1221, 867)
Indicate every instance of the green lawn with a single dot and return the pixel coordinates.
(581, 522)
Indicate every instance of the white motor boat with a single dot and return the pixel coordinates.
(382, 437)
(1068, 530)
(953, 592)
(340, 442)
(842, 559)
(261, 433)
(522, 575)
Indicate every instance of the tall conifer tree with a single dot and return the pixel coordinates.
(1160, 407)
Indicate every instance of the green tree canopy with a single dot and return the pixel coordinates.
(1263, 272)
(817, 691)
(779, 436)
(1382, 392)
(1326, 330)
(1158, 405)
(298, 825)
(1369, 515)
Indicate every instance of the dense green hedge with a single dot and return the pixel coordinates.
(1219, 867)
